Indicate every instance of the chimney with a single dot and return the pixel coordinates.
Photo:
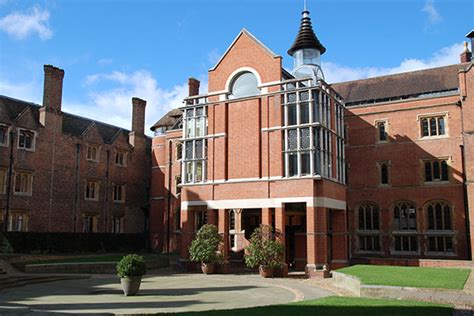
(138, 116)
(193, 84)
(53, 88)
(466, 55)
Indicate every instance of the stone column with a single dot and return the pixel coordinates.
(223, 226)
(280, 223)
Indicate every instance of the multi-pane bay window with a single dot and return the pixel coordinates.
(440, 227)
(195, 145)
(307, 135)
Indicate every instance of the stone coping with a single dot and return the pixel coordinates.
(354, 285)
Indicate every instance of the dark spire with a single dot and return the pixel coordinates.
(306, 37)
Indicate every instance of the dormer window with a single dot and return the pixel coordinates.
(92, 153)
(26, 139)
(245, 84)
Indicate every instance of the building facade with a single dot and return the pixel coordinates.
(375, 169)
(65, 173)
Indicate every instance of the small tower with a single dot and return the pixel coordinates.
(306, 51)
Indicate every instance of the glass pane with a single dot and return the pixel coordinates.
(305, 141)
(441, 126)
(436, 174)
(304, 113)
(375, 215)
(189, 113)
(189, 150)
(292, 164)
(432, 243)
(384, 176)
(315, 106)
(361, 218)
(198, 177)
(291, 98)
(444, 170)
(199, 111)
(447, 217)
(292, 141)
(413, 243)
(424, 127)
(245, 84)
(189, 172)
(382, 134)
(198, 150)
(398, 243)
(428, 176)
(438, 216)
(292, 114)
(431, 217)
(190, 127)
(449, 244)
(305, 163)
(433, 127)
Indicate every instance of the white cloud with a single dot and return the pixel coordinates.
(28, 91)
(433, 15)
(104, 61)
(114, 105)
(20, 25)
(338, 73)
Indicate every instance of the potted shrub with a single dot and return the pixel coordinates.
(264, 251)
(130, 269)
(204, 248)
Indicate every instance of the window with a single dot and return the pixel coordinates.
(93, 153)
(179, 151)
(201, 219)
(18, 221)
(26, 139)
(3, 180)
(369, 225)
(118, 193)
(3, 135)
(117, 225)
(195, 145)
(384, 168)
(23, 183)
(436, 170)
(92, 190)
(433, 126)
(405, 233)
(382, 135)
(440, 230)
(120, 158)
(89, 224)
(243, 85)
(177, 182)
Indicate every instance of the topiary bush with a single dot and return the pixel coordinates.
(204, 247)
(263, 249)
(131, 265)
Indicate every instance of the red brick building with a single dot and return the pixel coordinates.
(65, 173)
(375, 168)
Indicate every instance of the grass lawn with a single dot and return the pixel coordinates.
(337, 306)
(409, 276)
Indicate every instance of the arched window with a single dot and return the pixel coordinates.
(440, 227)
(404, 222)
(369, 226)
(244, 84)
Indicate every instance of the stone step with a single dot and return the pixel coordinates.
(16, 281)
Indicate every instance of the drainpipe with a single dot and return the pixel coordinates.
(170, 171)
(76, 189)
(107, 192)
(466, 204)
(9, 181)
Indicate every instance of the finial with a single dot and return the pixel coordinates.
(466, 48)
(304, 9)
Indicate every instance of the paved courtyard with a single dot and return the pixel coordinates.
(102, 294)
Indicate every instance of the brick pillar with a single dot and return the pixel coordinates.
(267, 216)
(187, 235)
(223, 225)
(317, 242)
(280, 223)
(212, 217)
(339, 238)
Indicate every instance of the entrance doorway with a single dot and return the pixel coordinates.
(295, 236)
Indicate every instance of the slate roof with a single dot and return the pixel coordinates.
(75, 125)
(170, 119)
(400, 86)
(306, 37)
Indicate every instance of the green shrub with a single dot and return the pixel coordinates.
(204, 247)
(5, 246)
(131, 265)
(263, 249)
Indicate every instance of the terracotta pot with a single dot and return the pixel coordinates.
(266, 272)
(208, 268)
(131, 285)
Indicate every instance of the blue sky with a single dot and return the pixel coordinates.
(113, 50)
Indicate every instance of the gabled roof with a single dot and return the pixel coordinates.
(251, 36)
(169, 119)
(400, 86)
(72, 124)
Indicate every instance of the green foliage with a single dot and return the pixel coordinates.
(263, 249)
(409, 276)
(131, 265)
(5, 246)
(204, 247)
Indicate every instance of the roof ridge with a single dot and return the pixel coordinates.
(15, 99)
(397, 74)
(95, 121)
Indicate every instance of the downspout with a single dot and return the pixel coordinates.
(170, 171)
(76, 189)
(9, 181)
(464, 180)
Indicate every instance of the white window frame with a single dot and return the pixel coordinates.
(433, 180)
(93, 228)
(6, 143)
(122, 192)
(29, 191)
(33, 141)
(117, 221)
(96, 190)
(444, 115)
(193, 138)
(97, 153)
(24, 222)
(124, 158)
(386, 127)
